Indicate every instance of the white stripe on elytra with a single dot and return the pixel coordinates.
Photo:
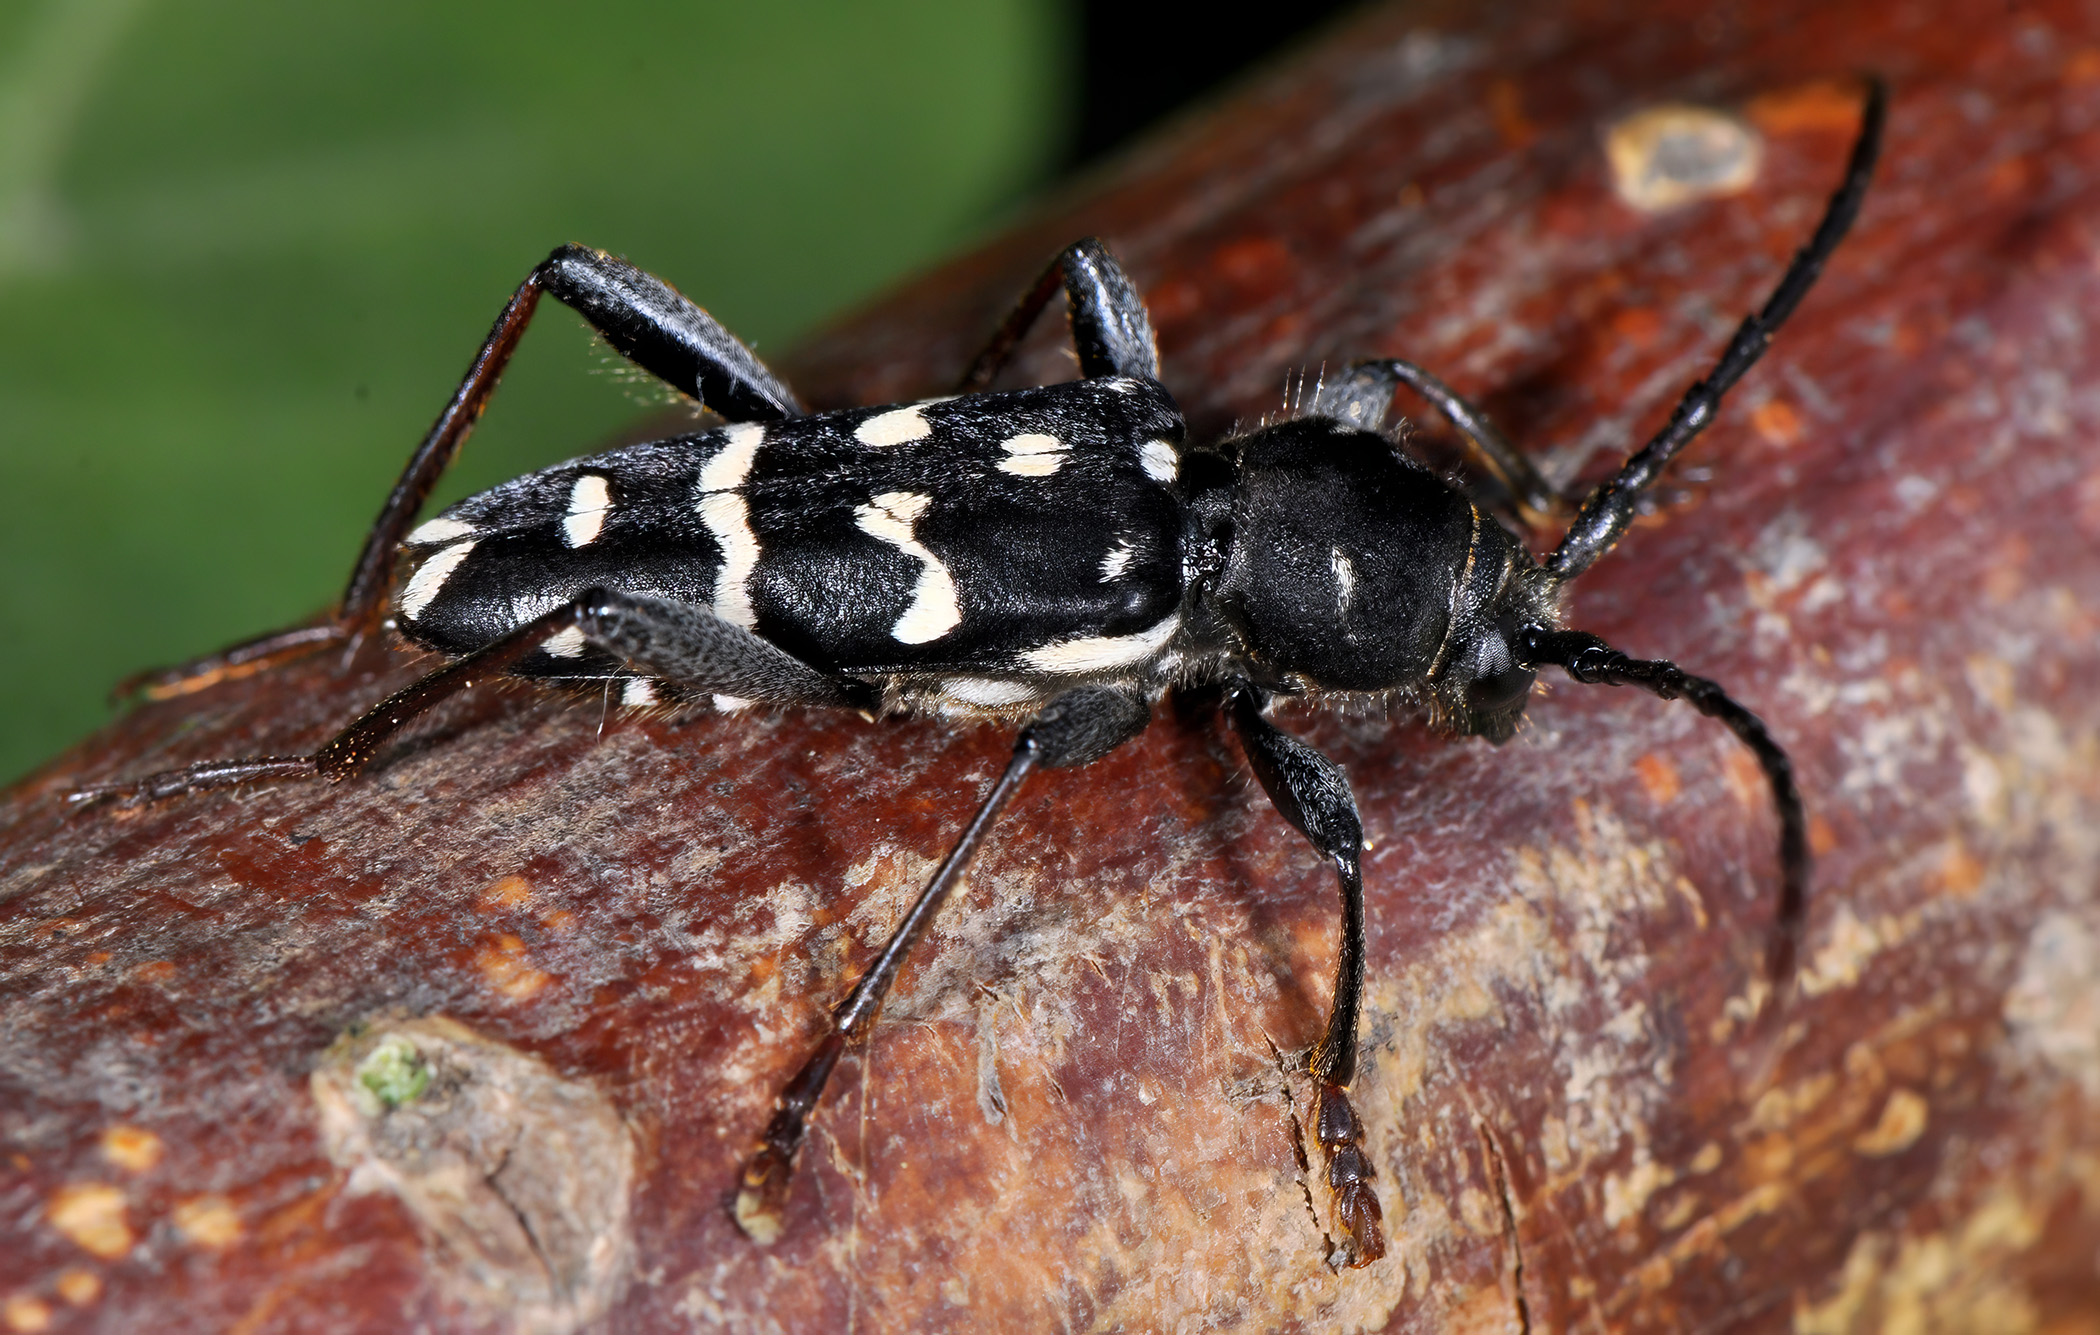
(933, 611)
(1101, 653)
(439, 530)
(728, 520)
(430, 577)
(589, 502)
(1159, 460)
(1032, 455)
(898, 426)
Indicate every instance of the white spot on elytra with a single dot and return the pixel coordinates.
(430, 577)
(933, 611)
(589, 501)
(730, 704)
(1117, 560)
(639, 691)
(1344, 580)
(437, 531)
(564, 643)
(989, 692)
(728, 520)
(895, 427)
(1102, 653)
(1160, 460)
(1032, 455)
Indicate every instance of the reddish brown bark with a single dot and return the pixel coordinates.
(1073, 1113)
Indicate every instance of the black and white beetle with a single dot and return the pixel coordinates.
(1059, 555)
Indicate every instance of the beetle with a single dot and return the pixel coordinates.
(1059, 555)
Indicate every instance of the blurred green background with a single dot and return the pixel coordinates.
(247, 248)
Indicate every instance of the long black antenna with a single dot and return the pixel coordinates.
(1610, 508)
(1589, 659)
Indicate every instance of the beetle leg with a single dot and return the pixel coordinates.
(647, 320)
(1110, 328)
(1313, 794)
(1076, 728)
(684, 645)
(1361, 396)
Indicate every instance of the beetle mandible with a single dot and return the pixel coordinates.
(1059, 555)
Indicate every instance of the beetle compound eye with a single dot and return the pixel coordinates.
(1497, 689)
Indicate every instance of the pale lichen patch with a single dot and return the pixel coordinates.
(2053, 1006)
(1626, 1194)
(1953, 1279)
(520, 1179)
(1676, 153)
(1902, 1121)
(1850, 944)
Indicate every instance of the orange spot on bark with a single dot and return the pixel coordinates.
(507, 967)
(209, 1221)
(159, 971)
(1960, 872)
(506, 893)
(1767, 1158)
(559, 921)
(91, 1215)
(1746, 781)
(131, 1148)
(79, 1287)
(1255, 261)
(1506, 106)
(26, 1312)
(1659, 777)
(99, 957)
(1636, 325)
(2087, 504)
(1777, 422)
(2010, 178)
(1819, 106)
(2006, 575)
(1175, 299)
(1822, 840)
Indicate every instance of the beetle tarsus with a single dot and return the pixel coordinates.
(1349, 1175)
(761, 1198)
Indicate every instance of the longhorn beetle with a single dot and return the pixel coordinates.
(1058, 555)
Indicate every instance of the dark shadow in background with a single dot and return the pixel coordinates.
(1139, 62)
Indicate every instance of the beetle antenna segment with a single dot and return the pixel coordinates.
(762, 1197)
(1610, 508)
(1589, 659)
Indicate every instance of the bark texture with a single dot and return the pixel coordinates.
(584, 950)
